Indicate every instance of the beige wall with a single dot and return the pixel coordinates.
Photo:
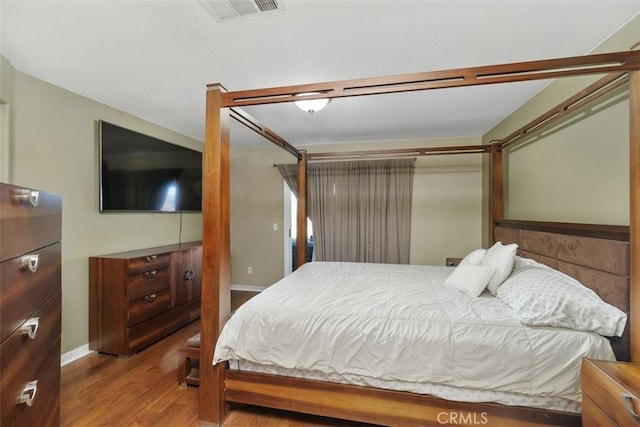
(447, 207)
(446, 210)
(6, 98)
(257, 202)
(577, 173)
(54, 147)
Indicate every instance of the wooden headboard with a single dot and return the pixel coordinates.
(596, 255)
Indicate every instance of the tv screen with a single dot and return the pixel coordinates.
(139, 173)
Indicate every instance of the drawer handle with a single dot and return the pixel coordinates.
(33, 196)
(30, 261)
(150, 298)
(151, 258)
(628, 404)
(30, 327)
(151, 274)
(189, 274)
(28, 393)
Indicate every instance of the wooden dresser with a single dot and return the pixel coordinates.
(610, 393)
(30, 306)
(138, 297)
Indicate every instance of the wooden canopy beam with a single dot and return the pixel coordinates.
(496, 190)
(592, 92)
(216, 253)
(472, 76)
(301, 214)
(255, 125)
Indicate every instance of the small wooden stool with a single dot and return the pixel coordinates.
(189, 371)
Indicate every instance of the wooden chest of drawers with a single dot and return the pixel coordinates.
(141, 296)
(610, 393)
(30, 306)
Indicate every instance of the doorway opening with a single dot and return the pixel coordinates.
(290, 232)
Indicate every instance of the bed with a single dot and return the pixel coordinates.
(402, 327)
(316, 325)
(553, 244)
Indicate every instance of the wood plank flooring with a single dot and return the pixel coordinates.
(143, 390)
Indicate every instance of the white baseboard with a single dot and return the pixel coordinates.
(74, 354)
(250, 288)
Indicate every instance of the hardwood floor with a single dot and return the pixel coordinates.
(240, 297)
(143, 390)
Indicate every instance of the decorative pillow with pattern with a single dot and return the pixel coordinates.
(547, 297)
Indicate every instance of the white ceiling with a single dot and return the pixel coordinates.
(154, 59)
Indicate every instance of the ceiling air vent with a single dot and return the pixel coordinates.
(228, 10)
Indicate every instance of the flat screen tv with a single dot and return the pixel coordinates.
(139, 173)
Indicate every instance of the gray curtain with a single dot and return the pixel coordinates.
(290, 174)
(361, 210)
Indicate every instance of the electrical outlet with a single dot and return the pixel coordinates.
(275, 226)
(250, 270)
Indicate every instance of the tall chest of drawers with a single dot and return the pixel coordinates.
(138, 297)
(30, 306)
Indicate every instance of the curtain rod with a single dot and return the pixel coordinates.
(275, 165)
(406, 152)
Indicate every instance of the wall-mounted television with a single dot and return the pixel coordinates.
(139, 173)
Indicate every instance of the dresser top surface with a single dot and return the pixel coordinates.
(627, 374)
(151, 251)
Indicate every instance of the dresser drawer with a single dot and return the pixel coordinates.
(146, 333)
(22, 357)
(592, 415)
(44, 409)
(148, 306)
(613, 387)
(147, 283)
(30, 219)
(148, 263)
(25, 282)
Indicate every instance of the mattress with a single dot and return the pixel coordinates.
(399, 327)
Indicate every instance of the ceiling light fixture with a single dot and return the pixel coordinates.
(311, 105)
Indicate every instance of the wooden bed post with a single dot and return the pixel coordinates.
(634, 215)
(301, 215)
(496, 196)
(216, 257)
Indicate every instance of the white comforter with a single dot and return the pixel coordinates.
(400, 323)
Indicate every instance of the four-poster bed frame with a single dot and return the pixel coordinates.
(219, 386)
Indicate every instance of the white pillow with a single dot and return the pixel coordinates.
(520, 263)
(474, 257)
(547, 297)
(500, 257)
(470, 279)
